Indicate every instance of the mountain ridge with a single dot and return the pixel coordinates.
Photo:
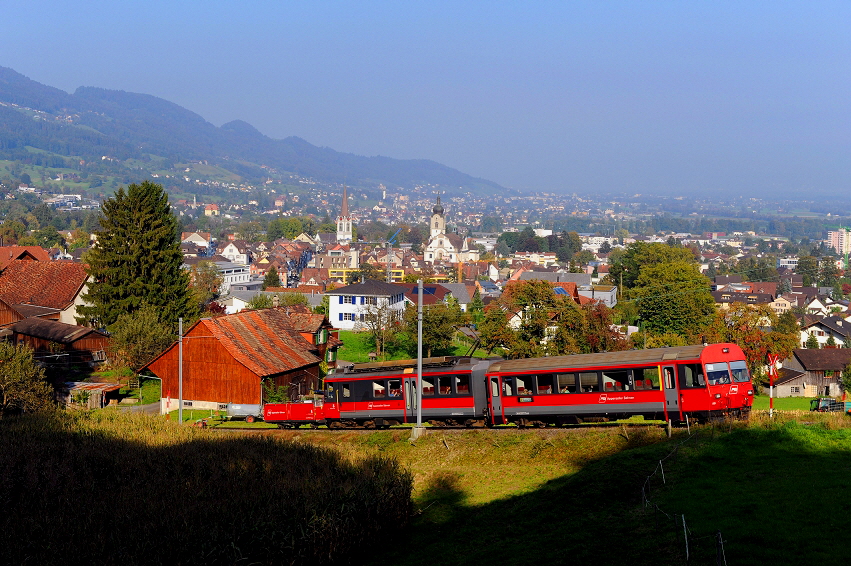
(94, 122)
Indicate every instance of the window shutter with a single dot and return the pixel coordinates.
(341, 302)
(362, 300)
(341, 316)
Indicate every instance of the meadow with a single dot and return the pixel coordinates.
(614, 494)
(107, 487)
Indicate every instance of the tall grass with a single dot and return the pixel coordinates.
(115, 488)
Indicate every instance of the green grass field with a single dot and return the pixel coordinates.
(574, 496)
(783, 404)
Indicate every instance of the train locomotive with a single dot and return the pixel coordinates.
(675, 384)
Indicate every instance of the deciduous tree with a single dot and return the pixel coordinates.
(22, 383)
(138, 337)
(674, 297)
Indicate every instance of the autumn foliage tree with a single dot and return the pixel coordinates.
(547, 324)
(752, 328)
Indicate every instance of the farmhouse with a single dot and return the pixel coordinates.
(58, 285)
(811, 372)
(228, 359)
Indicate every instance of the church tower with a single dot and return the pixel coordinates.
(344, 221)
(438, 222)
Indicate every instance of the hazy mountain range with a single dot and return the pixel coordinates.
(139, 129)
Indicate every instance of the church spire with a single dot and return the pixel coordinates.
(344, 221)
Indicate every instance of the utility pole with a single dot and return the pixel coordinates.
(419, 430)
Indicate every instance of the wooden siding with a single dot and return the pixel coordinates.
(81, 350)
(8, 315)
(210, 373)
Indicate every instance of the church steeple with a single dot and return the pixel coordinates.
(438, 222)
(344, 221)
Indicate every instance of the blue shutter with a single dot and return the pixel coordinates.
(362, 300)
(341, 316)
(341, 302)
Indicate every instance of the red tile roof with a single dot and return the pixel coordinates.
(53, 284)
(264, 341)
(11, 253)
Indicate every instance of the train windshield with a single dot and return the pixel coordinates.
(717, 374)
(740, 372)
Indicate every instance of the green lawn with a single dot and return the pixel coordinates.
(784, 403)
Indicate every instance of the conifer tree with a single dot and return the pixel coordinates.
(136, 260)
(272, 279)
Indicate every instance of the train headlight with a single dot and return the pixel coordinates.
(750, 391)
(717, 395)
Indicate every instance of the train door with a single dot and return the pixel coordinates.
(411, 399)
(495, 400)
(672, 399)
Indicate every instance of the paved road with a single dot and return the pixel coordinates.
(149, 409)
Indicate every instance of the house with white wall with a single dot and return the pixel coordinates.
(349, 306)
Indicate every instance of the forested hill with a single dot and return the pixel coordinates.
(93, 122)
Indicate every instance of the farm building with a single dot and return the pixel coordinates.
(227, 359)
(812, 372)
(56, 285)
(56, 342)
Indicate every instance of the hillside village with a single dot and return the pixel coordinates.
(340, 280)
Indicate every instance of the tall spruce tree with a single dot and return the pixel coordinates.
(137, 260)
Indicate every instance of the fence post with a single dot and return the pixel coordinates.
(720, 560)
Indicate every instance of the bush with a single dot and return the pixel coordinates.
(129, 489)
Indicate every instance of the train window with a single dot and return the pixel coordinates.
(566, 382)
(395, 386)
(494, 387)
(646, 378)
(589, 381)
(545, 384)
(508, 385)
(740, 372)
(462, 384)
(668, 372)
(525, 384)
(378, 389)
(444, 385)
(616, 380)
(691, 376)
(428, 386)
(717, 374)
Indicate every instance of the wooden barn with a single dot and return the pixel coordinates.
(57, 342)
(11, 314)
(227, 359)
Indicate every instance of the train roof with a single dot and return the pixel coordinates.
(652, 356)
(403, 366)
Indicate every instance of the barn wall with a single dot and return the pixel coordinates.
(8, 315)
(209, 373)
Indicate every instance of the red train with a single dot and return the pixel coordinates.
(686, 382)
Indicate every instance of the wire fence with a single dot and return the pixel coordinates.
(695, 546)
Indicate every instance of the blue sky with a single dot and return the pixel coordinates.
(651, 97)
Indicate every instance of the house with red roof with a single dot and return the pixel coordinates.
(9, 254)
(227, 359)
(37, 285)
